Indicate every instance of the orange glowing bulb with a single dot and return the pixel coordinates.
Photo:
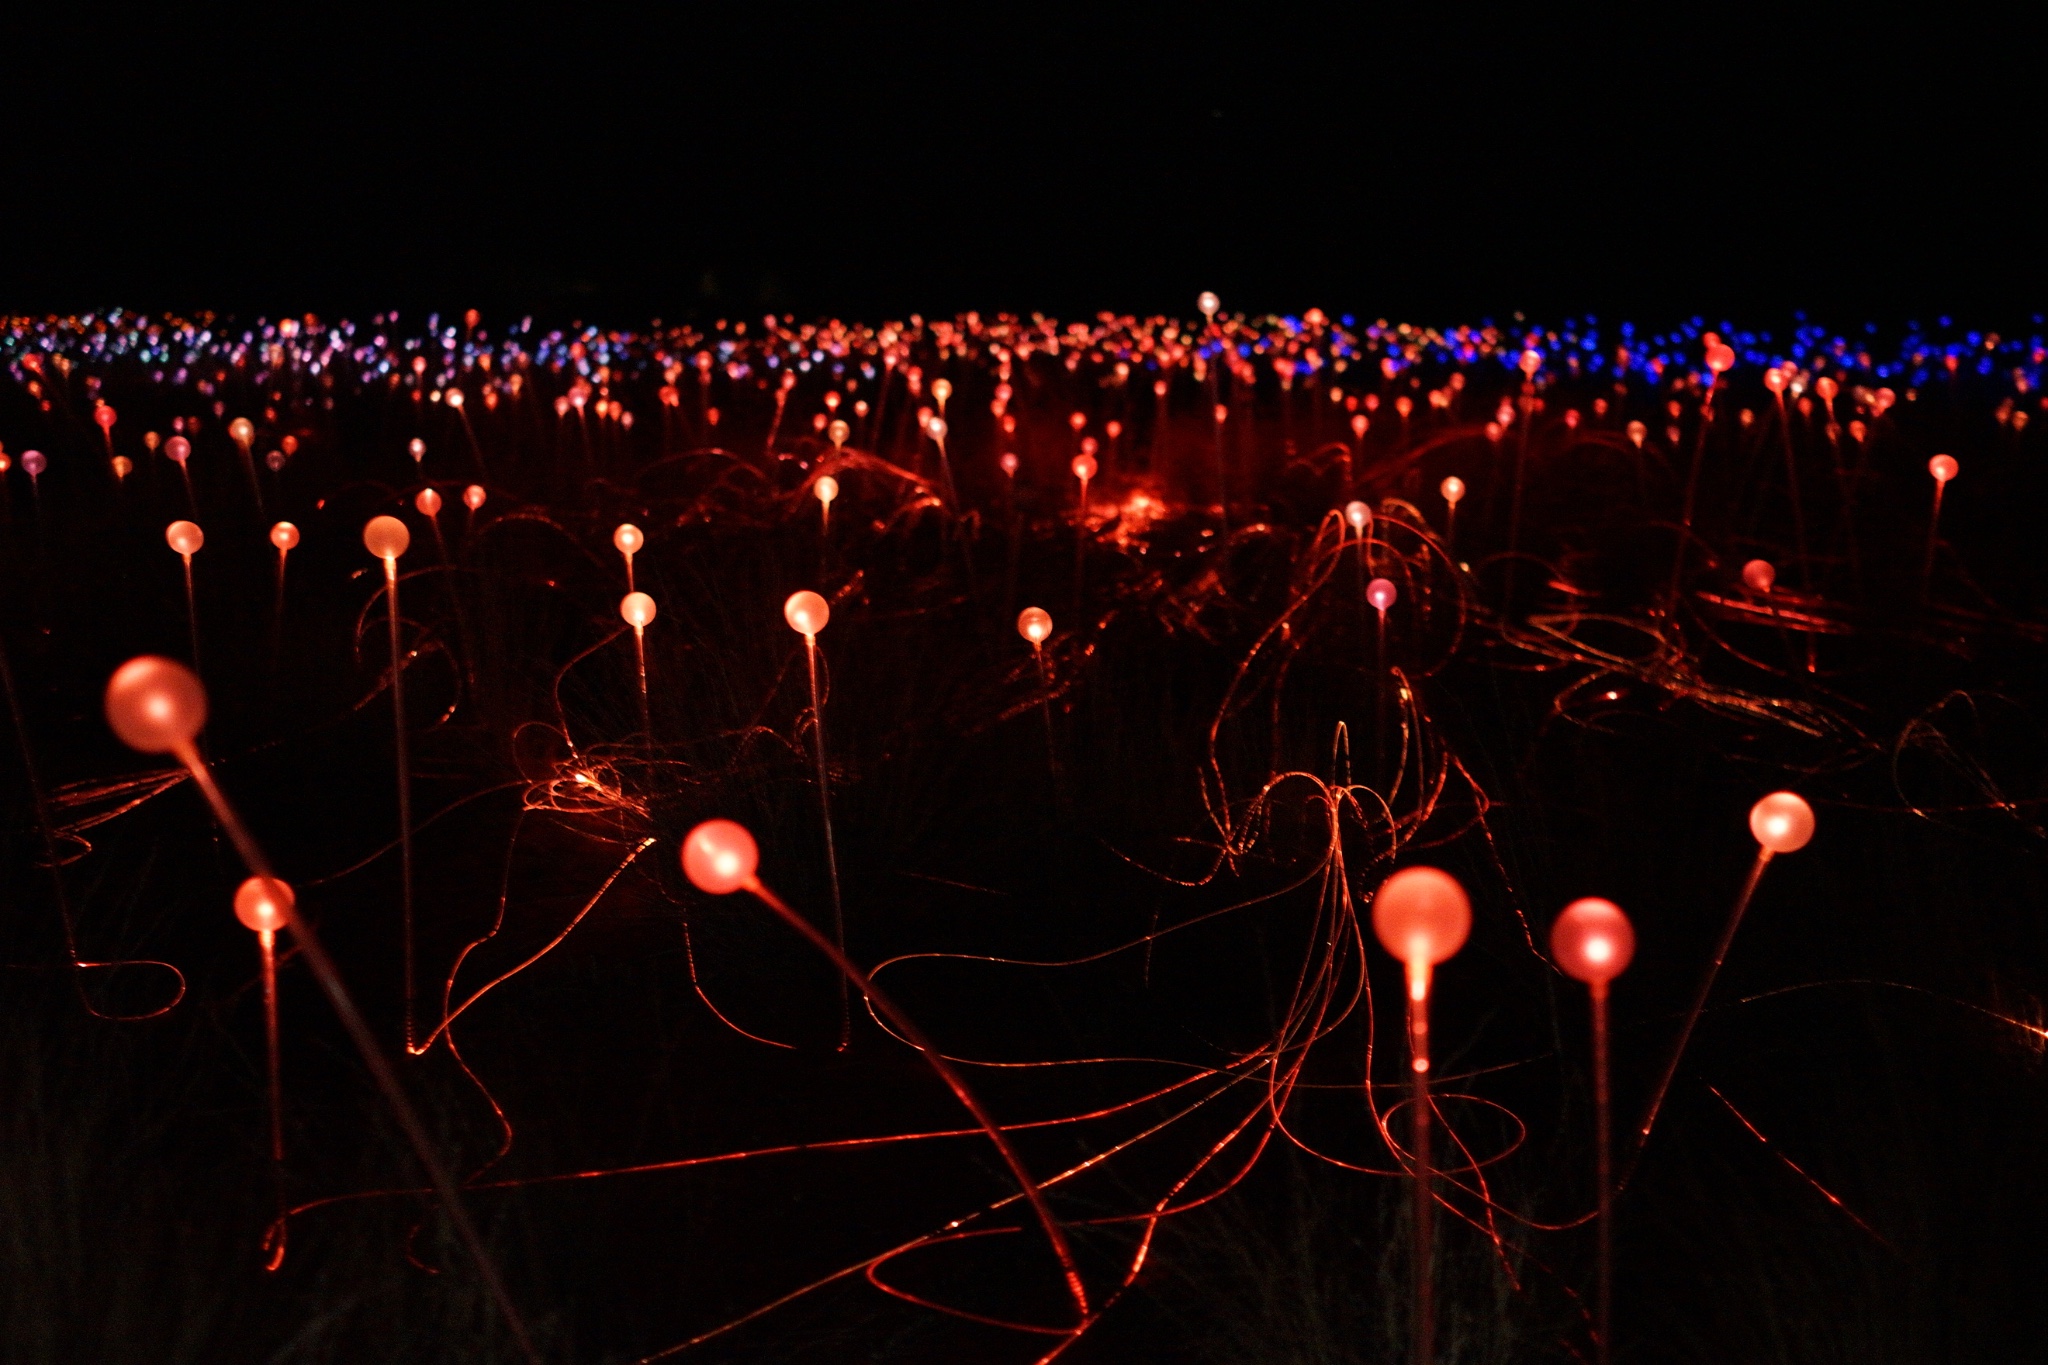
(417, 448)
(264, 904)
(1593, 941)
(1077, 421)
(1113, 429)
(936, 428)
(637, 608)
(386, 538)
(838, 432)
(1358, 515)
(628, 539)
(1781, 822)
(428, 502)
(1084, 467)
(806, 613)
(123, 466)
(942, 389)
(454, 399)
(104, 415)
(825, 489)
(473, 496)
(185, 537)
(155, 705)
(1636, 432)
(1208, 303)
(1381, 593)
(1035, 625)
(1159, 388)
(1422, 916)
(1360, 424)
(1453, 490)
(1759, 576)
(243, 431)
(1774, 379)
(719, 857)
(285, 536)
(1008, 464)
(1943, 468)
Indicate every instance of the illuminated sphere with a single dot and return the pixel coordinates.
(1721, 358)
(838, 432)
(104, 415)
(1222, 413)
(1077, 421)
(123, 466)
(473, 496)
(185, 537)
(155, 705)
(942, 389)
(1084, 467)
(638, 609)
(1360, 424)
(429, 503)
(1453, 490)
(1358, 515)
(1636, 432)
(1774, 379)
(178, 449)
(806, 613)
(1781, 822)
(285, 536)
(454, 399)
(719, 856)
(275, 460)
(1035, 624)
(1531, 362)
(628, 539)
(34, 462)
(242, 430)
(417, 448)
(1381, 593)
(1826, 388)
(1759, 576)
(936, 428)
(264, 904)
(1089, 445)
(1159, 388)
(826, 489)
(1942, 467)
(1112, 429)
(1208, 303)
(1008, 463)
(386, 537)
(1592, 941)
(1421, 915)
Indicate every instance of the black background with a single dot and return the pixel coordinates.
(691, 160)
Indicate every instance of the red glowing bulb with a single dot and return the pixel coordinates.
(1381, 593)
(1421, 915)
(1593, 941)
(1360, 424)
(178, 449)
(185, 537)
(1113, 429)
(1943, 468)
(243, 431)
(264, 904)
(417, 448)
(386, 538)
(284, 536)
(1781, 822)
(1758, 576)
(637, 609)
(1159, 388)
(719, 857)
(1035, 625)
(1084, 467)
(104, 415)
(1208, 303)
(429, 503)
(1008, 462)
(155, 705)
(473, 496)
(1453, 490)
(807, 614)
(1774, 379)
(628, 539)
(1077, 421)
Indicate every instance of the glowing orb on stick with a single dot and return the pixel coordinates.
(1035, 625)
(1357, 515)
(284, 536)
(719, 857)
(178, 449)
(628, 539)
(1782, 822)
(1421, 916)
(1381, 593)
(386, 538)
(638, 609)
(1759, 576)
(1453, 490)
(155, 705)
(185, 537)
(264, 903)
(473, 496)
(1592, 941)
(429, 503)
(1208, 303)
(243, 431)
(806, 613)
(825, 489)
(1943, 468)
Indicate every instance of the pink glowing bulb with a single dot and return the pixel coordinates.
(285, 536)
(473, 496)
(178, 449)
(637, 610)
(1008, 464)
(1357, 515)
(837, 433)
(936, 429)
(719, 857)
(561, 407)
(454, 399)
(1781, 822)
(1035, 625)
(243, 431)
(1084, 467)
(104, 415)
(428, 502)
(185, 537)
(1943, 468)
(417, 449)
(1593, 941)
(1077, 421)
(1759, 576)
(825, 489)
(1422, 916)
(628, 539)
(264, 904)
(386, 538)
(155, 705)
(274, 461)
(1159, 388)
(1531, 362)
(1453, 490)
(806, 613)
(1208, 303)
(34, 462)
(1360, 424)
(1381, 593)
(1774, 379)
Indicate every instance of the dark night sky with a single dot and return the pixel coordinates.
(601, 163)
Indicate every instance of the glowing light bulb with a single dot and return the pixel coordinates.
(155, 705)
(1112, 429)
(454, 399)
(34, 462)
(1782, 822)
(1360, 424)
(825, 489)
(428, 502)
(1421, 916)
(1720, 358)
(561, 407)
(178, 449)
(1035, 625)
(1531, 362)
(417, 449)
(386, 538)
(1208, 303)
(1078, 421)
(1084, 467)
(1357, 515)
(123, 466)
(1381, 593)
(806, 613)
(274, 461)
(1008, 464)
(1593, 941)
(1826, 388)
(473, 496)
(628, 539)
(1453, 490)
(285, 536)
(1943, 468)
(942, 389)
(1774, 379)
(264, 904)
(1159, 388)
(637, 609)
(242, 431)
(1759, 576)
(838, 432)
(719, 857)
(936, 428)
(185, 537)
(1636, 432)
